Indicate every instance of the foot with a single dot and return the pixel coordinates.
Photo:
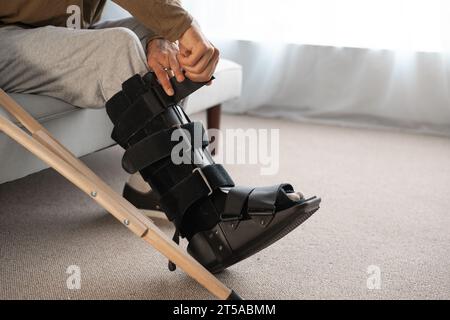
(223, 224)
(268, 214)
(140, 194)
(232, 239)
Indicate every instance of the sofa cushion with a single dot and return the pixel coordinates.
(41, 108)
(87, 130)
(227, 86)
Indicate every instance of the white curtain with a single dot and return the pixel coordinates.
(360, 62)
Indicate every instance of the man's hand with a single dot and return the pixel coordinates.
(161, 58)
(198, 57)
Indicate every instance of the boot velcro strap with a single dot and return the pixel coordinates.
(186, 88)
(134, 87)
(142, 111)
(159, 146)
(182, 89)
(258, 201)
(236, 200)
(201, 183)
(116, 106)
(262, 200)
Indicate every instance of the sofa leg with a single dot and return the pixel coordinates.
(213, 121)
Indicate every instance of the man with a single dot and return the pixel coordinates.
(86, 66)
(92, 64)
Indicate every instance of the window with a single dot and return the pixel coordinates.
(420, 25)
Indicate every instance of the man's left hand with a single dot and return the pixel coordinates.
(162, 58)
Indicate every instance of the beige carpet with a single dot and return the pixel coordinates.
(386, 202)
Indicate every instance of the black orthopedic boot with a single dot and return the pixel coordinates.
(224, 224)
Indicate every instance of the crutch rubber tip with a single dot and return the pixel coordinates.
(172, 266)
(234, 296)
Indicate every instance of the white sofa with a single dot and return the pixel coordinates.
(86, 131)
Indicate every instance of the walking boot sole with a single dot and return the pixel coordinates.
(228, 243)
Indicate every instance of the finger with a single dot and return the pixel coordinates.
(215, 67)
(170, 73)
(202, 64)
(189, 58)
(175, 66)
(208, 73)
(163, 79)
(164, 61)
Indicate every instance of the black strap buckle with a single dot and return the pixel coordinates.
(203, 176)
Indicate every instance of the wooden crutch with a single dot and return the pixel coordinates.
(41, 143)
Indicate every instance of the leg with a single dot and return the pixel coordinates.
(213, 117)
(29, 66)
(223, 224)
(138, 192)
(143, 33)
(82, 67)
(213, 121)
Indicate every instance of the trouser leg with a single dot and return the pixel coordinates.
(82, 67)
(142, 32)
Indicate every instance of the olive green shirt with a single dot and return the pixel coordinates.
(167, 18)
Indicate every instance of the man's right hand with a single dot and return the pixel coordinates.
(198, 57)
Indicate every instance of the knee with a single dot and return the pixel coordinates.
(123, 56)
(123, 35)
(127, 48)
(123, 39)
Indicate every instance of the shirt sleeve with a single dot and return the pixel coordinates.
(165, 17)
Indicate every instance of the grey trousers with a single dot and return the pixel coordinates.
(82, 67)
